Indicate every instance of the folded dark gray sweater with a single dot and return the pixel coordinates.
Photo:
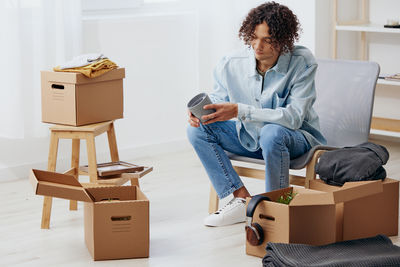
(373, 251)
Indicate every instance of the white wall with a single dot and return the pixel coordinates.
(218, 34)
(159, 54)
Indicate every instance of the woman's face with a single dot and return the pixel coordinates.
(262, 44)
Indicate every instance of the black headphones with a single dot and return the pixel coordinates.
(254, 231)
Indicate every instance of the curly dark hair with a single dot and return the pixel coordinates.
(284, 27)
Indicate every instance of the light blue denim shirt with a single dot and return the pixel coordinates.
(286, 97)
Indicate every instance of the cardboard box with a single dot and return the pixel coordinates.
(367, 216)
(116, 218)
(73, 99)
(310, 218)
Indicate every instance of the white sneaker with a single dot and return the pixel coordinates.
(233, 212)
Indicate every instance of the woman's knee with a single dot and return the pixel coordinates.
(194, 134)
(272, 134)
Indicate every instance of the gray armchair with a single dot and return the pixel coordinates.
(345, 98)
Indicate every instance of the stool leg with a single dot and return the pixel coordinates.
(52, 161)
(112, 143)
(135, 181)
(92, 162)
(73, 204)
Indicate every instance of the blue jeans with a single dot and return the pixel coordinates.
(277, 146)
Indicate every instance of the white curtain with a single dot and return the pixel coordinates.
(35, 35)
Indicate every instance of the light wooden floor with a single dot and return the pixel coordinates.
(178, 192)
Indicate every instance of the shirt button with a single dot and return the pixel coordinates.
(248, 145)
(257, 78)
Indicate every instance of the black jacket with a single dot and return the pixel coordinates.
(358, 163)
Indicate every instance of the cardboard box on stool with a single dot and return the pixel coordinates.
(367, 216)
(116, 218)
(310, 218)
(73, 99)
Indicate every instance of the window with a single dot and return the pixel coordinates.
(91, 5)
(106, 9)
(22, 3)
(158, 1)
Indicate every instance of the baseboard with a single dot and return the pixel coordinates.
(22, 171)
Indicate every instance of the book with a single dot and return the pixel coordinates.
(390, 77)
(113, 168)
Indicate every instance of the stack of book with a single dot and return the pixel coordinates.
(390, 77)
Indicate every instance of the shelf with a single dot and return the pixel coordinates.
(387, 82)
(382, 133)
(367, 28)
(382, 127)
(385, 124)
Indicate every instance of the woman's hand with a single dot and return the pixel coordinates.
(223, 112)
(193, 121)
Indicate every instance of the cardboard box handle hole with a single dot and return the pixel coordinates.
(109, 199)
(57, 86)
(267, 217)
(121, 218)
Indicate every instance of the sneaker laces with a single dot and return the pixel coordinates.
(230, 203)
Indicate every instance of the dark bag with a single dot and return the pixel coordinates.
(349, 164)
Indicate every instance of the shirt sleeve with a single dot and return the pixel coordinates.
(220, 92)
(300, 99)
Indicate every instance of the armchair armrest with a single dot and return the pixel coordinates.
(310, 167)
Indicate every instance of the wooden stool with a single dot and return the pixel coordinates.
(87, 132)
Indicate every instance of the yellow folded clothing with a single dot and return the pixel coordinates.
(92, 70)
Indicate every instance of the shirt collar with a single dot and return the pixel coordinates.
(281, 66)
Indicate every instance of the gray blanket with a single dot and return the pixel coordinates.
(373, 251)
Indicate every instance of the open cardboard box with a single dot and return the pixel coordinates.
(73, 99)
(310, 218)
(366, 216)
(116, 218)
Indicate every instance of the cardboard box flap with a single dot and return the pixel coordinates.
(312, 199)
(350, 190)
(79, 78)
(355, 190)
(54, 184)
(121, 193)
